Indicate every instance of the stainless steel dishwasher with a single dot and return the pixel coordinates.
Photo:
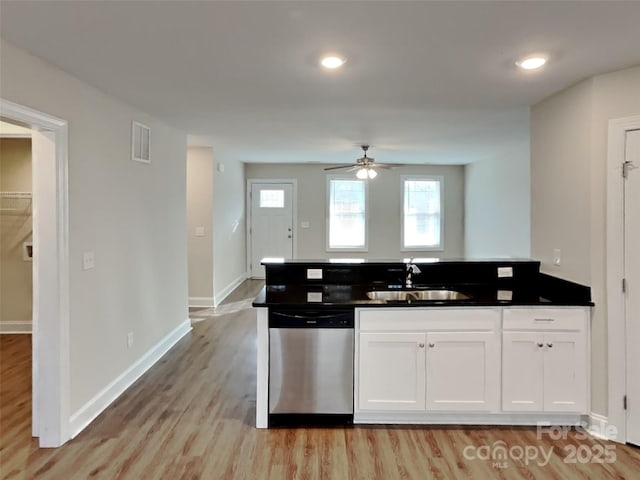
(311, 366)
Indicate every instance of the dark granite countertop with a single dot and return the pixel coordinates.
(346, 282)
(356, 296)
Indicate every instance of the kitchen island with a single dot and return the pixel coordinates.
(446, 342)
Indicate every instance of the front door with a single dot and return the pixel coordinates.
(632, 276)
(271, 228)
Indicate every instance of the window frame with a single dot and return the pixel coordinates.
(329, 248)
(422, 248)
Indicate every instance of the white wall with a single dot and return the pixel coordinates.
(132, 215)
(200, 215)
(497, 206)
(384, 208)
(229, 252)
(568, 195)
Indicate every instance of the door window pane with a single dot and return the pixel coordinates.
(347, 214)
(271, 198)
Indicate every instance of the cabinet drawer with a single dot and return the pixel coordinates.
(428, 319)
(544, 318)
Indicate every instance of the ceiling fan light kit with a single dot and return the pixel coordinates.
(365, 166)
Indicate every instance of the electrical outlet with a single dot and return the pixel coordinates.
(88, 260)
(129, 339)
(556, 256)
(505, 272)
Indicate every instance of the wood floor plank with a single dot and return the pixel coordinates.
(192, 417)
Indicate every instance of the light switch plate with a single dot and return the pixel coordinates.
(199, 231)
(314, 296)
(556, 256)
(88, 261)
(304, 224)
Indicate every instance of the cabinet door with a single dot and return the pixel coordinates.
(391, 371)
(522, 371)
(463, 371)
(565, 372)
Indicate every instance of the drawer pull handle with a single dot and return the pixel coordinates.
(549, 345)
(540, 345)
(431, 345)
(421, 345)
(544, 319)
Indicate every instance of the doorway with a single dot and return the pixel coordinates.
(623, 280)
(50, 254)
(271, 221)
(631, 186)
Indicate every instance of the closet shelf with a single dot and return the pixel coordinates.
(15, 203)
(15, 194)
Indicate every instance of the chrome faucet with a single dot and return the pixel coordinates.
(412, 269)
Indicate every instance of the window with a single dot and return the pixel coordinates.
(271, 198)
(347, 214)
(422, 213)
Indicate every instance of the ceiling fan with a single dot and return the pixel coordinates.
(365, 166)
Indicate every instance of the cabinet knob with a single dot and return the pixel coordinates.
(540, 345)
(549, 345)
(431, 345)
(421, 345)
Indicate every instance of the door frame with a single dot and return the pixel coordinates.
(616, 348)
(294, 209)
(51, 358)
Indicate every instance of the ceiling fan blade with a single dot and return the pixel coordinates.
(389, 165)
(337, 168)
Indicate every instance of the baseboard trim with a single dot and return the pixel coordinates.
(206, 302)
(224, 293)
(599, 427)
(94, 407)
(16, 326)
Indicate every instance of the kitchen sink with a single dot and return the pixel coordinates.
(415, 295)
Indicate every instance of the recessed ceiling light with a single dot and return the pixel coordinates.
(532, 62)
(332, 61)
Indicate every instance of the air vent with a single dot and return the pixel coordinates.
(140, 143)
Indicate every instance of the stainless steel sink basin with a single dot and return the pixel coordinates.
(415, 295)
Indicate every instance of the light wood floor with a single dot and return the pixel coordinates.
(192, 415)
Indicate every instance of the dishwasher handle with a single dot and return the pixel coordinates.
(311, 318)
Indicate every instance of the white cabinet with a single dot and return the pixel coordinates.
(428, 360)
(463, 371)
(392, 371)
(545, 360)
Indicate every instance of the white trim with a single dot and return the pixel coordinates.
(15, 135)
(458, 418)
(15, 326)
(94, 407)
(224, 293)
(617, 364)
(294, 213)
(327, 220)
(200, 301)
(599, 427)
(51, 363)
(262, 374)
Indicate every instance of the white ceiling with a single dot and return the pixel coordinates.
(425, 82)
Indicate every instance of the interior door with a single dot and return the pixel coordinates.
(271, 228)
(632, 275)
